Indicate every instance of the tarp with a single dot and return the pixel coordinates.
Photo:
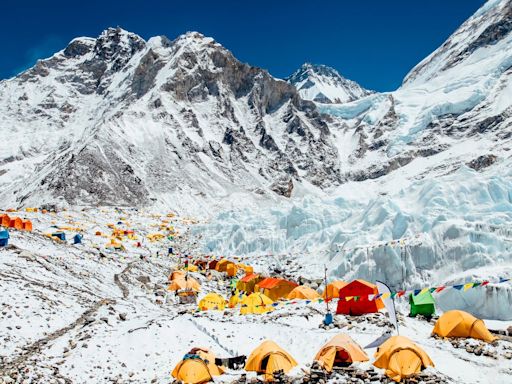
(401, 358)
(358, 291)
(268, 358)
(462, 324)
(197, 367)
(303, 292)
(340, 349)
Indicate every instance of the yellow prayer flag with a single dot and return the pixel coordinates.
(467, 286)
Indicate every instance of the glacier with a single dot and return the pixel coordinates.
(457, 222)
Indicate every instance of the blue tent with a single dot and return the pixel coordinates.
(77, 239)
(60, 235)
(4, 238)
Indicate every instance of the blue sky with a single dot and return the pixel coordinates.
(374, 42)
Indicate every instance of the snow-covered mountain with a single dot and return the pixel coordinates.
(429, 163)
(323, 84)
(118, 120)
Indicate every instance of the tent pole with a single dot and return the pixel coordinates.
(325, 284)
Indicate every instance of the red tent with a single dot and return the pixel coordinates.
(357, 291)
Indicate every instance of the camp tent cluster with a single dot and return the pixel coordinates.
(15, 223)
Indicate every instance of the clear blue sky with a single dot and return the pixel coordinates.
(374, 42)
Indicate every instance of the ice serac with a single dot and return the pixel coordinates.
(323, 84)
(118, 120)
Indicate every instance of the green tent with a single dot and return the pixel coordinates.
(422, 304)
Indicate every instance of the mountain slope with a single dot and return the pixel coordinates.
(117, 120)
(455, 101)
(324, 84)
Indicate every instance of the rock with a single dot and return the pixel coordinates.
(122, 316)
(143, 279)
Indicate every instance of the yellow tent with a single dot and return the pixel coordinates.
(212, 301)
(192, 268)
(303, 292)
(268, 358)
(333, 289)
(401, 358)
(461, 324)
(340, 349)
(256, 303)
(236, 299)
(189, 284)
(198, 366)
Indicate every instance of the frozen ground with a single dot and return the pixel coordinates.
(73, 316)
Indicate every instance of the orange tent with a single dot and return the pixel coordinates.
(303, 292)
(27, 225)
(457, 323)
(248, 282)
(268, 358)
(354, 298)
(401, 358)
(16, 223)
(197, 367)
(178, 274)
(231, 270)
(275, 288)
(5, 220)
(222, 266)
(340, 349)
(182, 284)
(332, 290)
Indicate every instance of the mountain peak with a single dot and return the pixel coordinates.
(324, 84)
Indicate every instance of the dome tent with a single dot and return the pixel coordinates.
(198, 366)
(268, 358)
(401, 358)
(457, 323)
(340, 349)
